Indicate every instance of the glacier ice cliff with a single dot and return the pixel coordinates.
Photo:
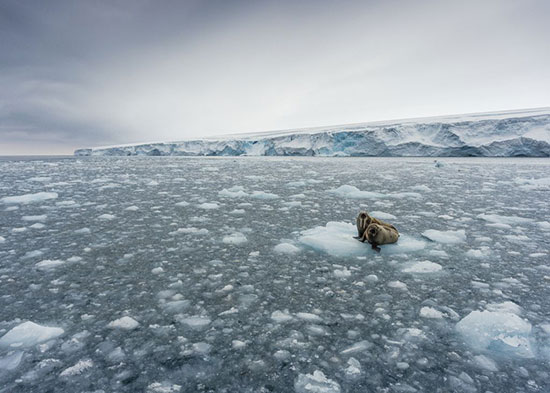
(524, 133)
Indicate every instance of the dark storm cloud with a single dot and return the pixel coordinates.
(79, 73)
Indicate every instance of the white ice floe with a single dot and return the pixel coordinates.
(286, 248)
(397, 285)
(502, 332)
(208, 206)
(430, 312)
(11, 361)
(309, 317)
(382, 216)
(78, 368)
(235, 238)
(485, 363)
(360, 346)
(336, 238)
(163, 387)
(233, 192)
(315, 383)
(544, 225)
(446, 237)
(132, 208)
(281, 317)
(106, 217)
(28, 334)
(422, 267)
(126, 323)
(352, 192)
(2, 239)
(37, 225)
(182, 204)
(48, 264)
(196, 322)
(342, 273)
(263, 195)
(506, 220)
(41, 217)
(192, 230)
(29, 198)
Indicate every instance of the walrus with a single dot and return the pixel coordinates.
(378, 235)
(364, 220)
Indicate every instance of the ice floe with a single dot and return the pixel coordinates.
(125, 323)
(28, 334)
(446, 237)
(315, 383)
(336, 238)
(29, 198)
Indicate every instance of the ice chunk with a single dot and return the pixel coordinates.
(106, 217)
(233, 192)
(315, 383)
(306, 316)
(544, 225)
(485, 363)
(422, 267)
(336, 238)
(132, 208)
(48, 264)
(446, 237)
(354, 368)
(2, 239)
(193, 230)
(430, 312)
(41, 217)
(208, 206)
(286, 248)
(382, 215)
(357, 347)
(342, 273)
(263, 195)
(11, 360)
(29, 198)
(281, 317)
(235, 238)
(352, 192)
(126, 323)
(196, 322)
(501, 332)
(507, 220)
(78, 368)
(163, 387)
(398, 285)
(28, 334)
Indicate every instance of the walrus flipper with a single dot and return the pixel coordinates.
(375, 247)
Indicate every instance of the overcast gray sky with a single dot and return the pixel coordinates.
(91, 73)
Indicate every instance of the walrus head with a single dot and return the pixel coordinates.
(372, 231)
(363, 219)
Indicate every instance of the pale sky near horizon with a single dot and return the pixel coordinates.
(90, 73)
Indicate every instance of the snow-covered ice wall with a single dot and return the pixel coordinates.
(497, 134)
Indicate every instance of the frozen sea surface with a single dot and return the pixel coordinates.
(241, 275)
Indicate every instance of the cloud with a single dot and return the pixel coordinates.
(95, 73)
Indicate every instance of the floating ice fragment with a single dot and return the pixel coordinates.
(233, 192)
(286, 248)
(422, 267)
(2, 239)
(196, 322)
(507, 220)
(28, 334)
(357, 347)
(126, 323)
(235, 238)
(281, 317)
(446, 237)
(315, 383)
(78, 368)
(501, 332)
(352, 192)
(382, 215)
(106, 217)
(306, 316)
(397, 285)
(263, 195)
(429, 312)
(342, 273)
(485, 363)
(29, 198)
(132, 208)
(11, 360)
(41, 217)
(208, 206)
(163, 387)
(48, 264)
(336, 238)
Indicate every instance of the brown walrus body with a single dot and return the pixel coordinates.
(364, 220)
(378, 235)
